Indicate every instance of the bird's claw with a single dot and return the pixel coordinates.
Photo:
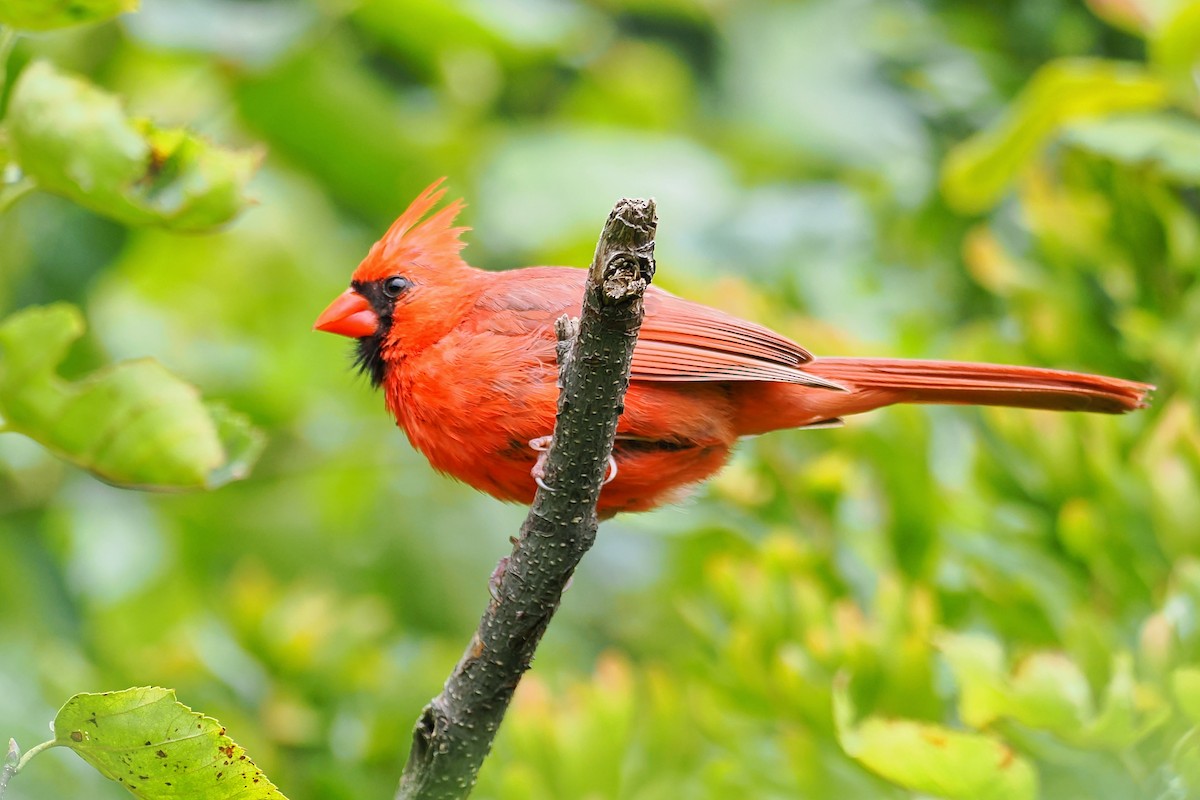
(541, 445)
(612, 471)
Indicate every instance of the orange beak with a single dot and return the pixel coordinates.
(349, 315)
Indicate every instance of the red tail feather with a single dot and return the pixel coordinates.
(985, 384)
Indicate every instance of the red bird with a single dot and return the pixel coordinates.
(466, 361)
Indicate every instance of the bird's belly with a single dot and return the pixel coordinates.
(655, 473)
(483, 441)
(670, 437)
(649, 474)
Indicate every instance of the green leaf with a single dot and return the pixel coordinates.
(132, 423)
(977, 663)
(44, 15)
(75, 140)
(1175, 48)
(1050, 692)
(1047, 690)
(978, 171)
(933, 759)
(1124, 718)
(1170, 144)
(157, 747)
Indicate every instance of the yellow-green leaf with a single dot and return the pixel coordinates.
(44, 15)
(1048, 691)
(978, 171)
(157, 747)
(1175, 48)
(1169, 143)
(978, 665)
(131, 424)
(75, 140)
(933, 759)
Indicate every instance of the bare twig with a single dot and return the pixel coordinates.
(9, 765)
(456, 729)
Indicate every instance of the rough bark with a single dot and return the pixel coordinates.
(455, 731)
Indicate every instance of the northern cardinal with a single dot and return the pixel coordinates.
(466, 361)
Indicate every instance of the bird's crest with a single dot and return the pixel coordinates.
(412, 241)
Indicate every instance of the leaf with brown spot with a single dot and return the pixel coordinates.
(142, 732)
(931, 759)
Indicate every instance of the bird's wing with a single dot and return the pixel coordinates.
(685, 341)
(679, 340)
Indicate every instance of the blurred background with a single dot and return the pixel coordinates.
(934, 178)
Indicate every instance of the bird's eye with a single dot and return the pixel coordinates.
(395, 286)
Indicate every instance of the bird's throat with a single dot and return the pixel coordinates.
(368, 354)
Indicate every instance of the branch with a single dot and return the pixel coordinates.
(456, 729)
(11, 759)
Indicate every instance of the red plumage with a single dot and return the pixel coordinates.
(466, 362)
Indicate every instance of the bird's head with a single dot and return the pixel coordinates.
(407, 282)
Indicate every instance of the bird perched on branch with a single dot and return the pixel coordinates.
(466, 361)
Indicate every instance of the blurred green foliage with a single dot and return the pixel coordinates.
(132, 424)
(39, 15)
(71, 138)
(939, 178)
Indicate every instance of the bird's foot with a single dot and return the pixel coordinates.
(542, 445)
